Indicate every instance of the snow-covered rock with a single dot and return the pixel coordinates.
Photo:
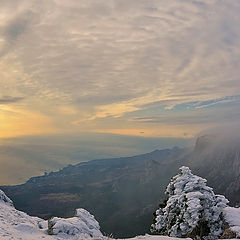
(83, 225)
(18, 225)
(15, 224)
(232, 217)
(4, 199)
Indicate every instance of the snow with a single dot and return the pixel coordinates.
(232, 217)
(18, 225)
(190, 201)
(83, 225)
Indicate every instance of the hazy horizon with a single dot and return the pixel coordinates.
(24, 157)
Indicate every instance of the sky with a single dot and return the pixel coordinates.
(143, 70)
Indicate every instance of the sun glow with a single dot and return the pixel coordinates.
(161, 131)
(18, 122)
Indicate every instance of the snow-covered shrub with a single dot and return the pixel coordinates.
(192, 209)
(83, 225)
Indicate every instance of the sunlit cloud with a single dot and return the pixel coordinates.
(16, 121)
(101, 64)
(113, 110)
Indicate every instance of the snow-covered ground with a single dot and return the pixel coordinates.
(18, 225)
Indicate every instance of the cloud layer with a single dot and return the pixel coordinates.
(108, 66)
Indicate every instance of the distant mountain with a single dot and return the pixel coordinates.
(123, 193)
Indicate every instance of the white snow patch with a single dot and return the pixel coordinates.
(83, 225)
(232, 217)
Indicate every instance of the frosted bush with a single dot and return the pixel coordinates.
(192, 208)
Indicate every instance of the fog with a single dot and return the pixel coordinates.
(24, 157)
(224, 135)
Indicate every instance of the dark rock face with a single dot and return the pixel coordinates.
(123, 193)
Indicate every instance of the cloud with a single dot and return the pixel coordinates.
(223, 100)
(15, 29)
(205, 113)
(18, 121)
(165, 68)
(111, 59)
(9, 99)
(113, 110)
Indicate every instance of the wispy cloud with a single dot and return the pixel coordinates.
(113, 59)
(10, 99)
(213, 102)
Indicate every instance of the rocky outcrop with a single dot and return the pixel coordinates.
(5, 199)
(228, 234)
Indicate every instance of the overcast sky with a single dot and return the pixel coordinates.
(155, 68)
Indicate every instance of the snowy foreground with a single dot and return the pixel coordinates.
(15, 224)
